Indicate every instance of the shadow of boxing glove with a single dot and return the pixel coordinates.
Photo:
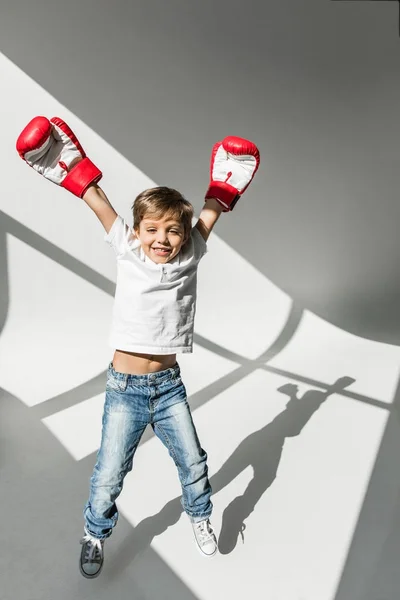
(234, 162)
(52, 149)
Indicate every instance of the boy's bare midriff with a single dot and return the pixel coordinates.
(136, 363)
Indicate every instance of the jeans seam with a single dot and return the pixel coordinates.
(168, 442)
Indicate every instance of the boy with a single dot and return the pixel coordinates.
(153, 320)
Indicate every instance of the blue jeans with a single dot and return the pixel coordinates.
(133, 402)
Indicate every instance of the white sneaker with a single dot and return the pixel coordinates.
(205, 537)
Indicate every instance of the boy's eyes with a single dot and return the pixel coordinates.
(152, 230)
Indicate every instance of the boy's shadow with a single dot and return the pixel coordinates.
(262, 450)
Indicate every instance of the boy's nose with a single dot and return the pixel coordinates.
(162, 238)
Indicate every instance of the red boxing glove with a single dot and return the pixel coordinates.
(234, 162)
(50, 147)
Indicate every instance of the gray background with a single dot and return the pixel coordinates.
(316, 85)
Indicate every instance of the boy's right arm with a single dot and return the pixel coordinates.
(96, 199)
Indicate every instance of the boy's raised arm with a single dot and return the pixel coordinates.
(96, 199)
(208, 217)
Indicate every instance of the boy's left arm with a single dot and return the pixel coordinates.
(208, 217)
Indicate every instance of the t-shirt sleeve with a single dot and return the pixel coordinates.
(199, 244)
(120, 236)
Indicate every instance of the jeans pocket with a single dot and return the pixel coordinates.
(176, 384)
(114, 384)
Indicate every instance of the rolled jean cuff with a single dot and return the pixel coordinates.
(98, 537)
(97, 528)
(198, 518)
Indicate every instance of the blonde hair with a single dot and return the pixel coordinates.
(159, 202)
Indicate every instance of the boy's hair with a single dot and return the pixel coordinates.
(159, 202)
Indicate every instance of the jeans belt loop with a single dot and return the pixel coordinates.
(125, 381)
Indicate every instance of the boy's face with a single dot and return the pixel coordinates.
(161, 239)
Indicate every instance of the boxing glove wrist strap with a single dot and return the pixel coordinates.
(225, 194)
(84, 174)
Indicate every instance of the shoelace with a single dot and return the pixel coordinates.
(205, 531)
(242, 529)
(94, 550)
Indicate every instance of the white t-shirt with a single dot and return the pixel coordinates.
(154, 304)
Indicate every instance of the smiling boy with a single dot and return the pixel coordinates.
(153, 321)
